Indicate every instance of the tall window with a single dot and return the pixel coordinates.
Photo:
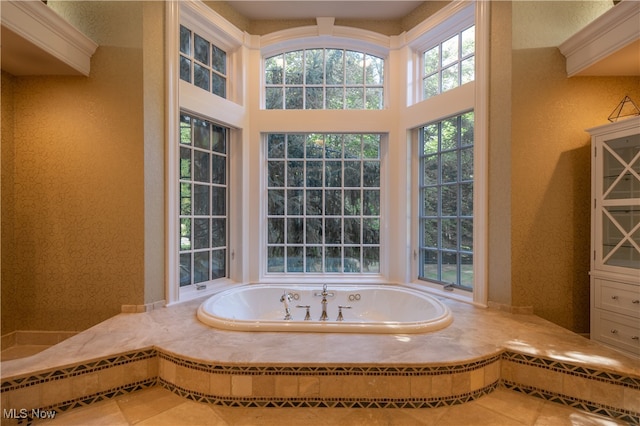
(202, 63)
(449, 64)
(323, 203)
(324, 79)
(203, 200)
(446, 201)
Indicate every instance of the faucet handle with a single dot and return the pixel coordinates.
(340, 308)
(307, 316)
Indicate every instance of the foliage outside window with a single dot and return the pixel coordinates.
(202, 63)
(203, 200)
(323, 203)
(446, 201)
(324, 79)
(449, 64)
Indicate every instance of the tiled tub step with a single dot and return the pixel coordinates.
(367, 386)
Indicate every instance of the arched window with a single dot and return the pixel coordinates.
(323, 78)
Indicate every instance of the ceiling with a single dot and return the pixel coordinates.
(302, 9)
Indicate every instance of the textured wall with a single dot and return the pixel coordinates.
(79, 181)
(10, 307)
(550, 161)
(154, 61)
(499, 241)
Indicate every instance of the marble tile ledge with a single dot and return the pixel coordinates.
(476, 333)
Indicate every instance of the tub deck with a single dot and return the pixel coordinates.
(482, 349)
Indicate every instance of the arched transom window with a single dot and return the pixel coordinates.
(324, 78)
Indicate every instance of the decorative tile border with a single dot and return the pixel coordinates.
(603, 410)
(574, 370)
(253, 370)
(90, 399)
(326, 402)
(102, 396)
(79, 369)
(76, 369)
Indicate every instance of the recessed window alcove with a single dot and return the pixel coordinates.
(322, 83)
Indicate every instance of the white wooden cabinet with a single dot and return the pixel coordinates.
(615, 235)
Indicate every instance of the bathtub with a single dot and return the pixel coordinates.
(366, 309)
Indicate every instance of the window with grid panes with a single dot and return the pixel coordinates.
(202, 63)
(203, 200)
(323, 203)
(446, 201)
(449, 64)
(324, 79)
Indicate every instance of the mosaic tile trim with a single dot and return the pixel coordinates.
(253, 370)
(574, 370)
(93, 398)
(321, 402)
(600, 409)
(76, 369)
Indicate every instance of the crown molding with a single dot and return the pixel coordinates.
(607, 35)
(47, 37)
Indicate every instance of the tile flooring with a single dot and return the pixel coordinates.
(157, 406)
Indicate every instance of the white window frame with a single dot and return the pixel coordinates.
(470, 96)
(228, 112)
(401, 54)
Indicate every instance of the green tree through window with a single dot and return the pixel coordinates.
(324, 79)
(446, 201)
(323, 203)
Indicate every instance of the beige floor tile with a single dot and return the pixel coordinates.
(512, 404)
(147, 403)
(277, 416)
(186, 414)
(395, 417)
(427, 416)
(553, 414)
(474, 414)
(327, 416)
(158, 406)
(105, 413)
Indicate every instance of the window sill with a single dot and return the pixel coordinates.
(190, 293)
(437, 290)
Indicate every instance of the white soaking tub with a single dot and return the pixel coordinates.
(387, 308)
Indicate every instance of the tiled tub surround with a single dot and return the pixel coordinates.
(483, 349)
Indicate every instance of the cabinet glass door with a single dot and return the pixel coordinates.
(620, 218)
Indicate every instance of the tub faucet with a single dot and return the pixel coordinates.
(324, 295)
(286, 299)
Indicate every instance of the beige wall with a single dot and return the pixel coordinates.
(499, 239)
(81, 148)
(550, 161)
(10, 306)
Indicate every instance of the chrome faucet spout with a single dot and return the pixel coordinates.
(286, 299)
(324, 294)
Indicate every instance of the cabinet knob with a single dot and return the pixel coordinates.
(635, 338)
(635, 301)
(614, 297)
(614, 331)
